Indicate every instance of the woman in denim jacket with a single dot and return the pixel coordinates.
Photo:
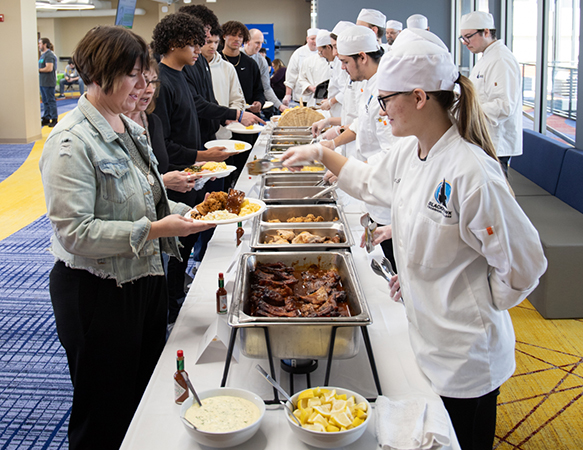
(111, 220)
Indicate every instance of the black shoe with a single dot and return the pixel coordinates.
(61, 96)
(53, 123)
(45, 121)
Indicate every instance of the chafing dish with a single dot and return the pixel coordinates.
(284, 212)
(292, 131)
(295, 195)
(299, 337)
(324, 229)
(291, 179)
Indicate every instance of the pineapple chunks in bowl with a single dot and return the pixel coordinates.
(330, 416)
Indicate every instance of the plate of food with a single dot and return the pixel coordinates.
(211, 169)
(222, 208)
(230, 146)
(237, 127)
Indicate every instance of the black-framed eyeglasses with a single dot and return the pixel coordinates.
(383, 100)
(156, 83)
(466, 39)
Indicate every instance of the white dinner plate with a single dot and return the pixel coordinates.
(217, 174)
(230, 145)
(237, 127)
(235, 219)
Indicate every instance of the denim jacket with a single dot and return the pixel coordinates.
(99, 203)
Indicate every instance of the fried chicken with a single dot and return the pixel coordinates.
(214, 202)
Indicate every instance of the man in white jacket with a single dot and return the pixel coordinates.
(226, 86)
(316, 68)
(292, 88)
(496, 77)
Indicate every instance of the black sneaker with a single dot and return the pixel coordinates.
(45, 121)
(53, 123)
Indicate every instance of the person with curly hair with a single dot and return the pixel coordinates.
(178, 38)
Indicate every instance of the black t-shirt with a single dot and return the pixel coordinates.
(249, 77)
(210, 114)
(177, 112)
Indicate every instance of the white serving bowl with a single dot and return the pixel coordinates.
(322, 439)
(228, 439)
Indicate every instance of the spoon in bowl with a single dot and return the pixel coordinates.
(277, 386)
(191, 387)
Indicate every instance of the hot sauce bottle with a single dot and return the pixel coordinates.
(240, 233)
(221, 296)
(180, 387)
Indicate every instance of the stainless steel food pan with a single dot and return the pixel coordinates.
(292, 131)
(290, 140)
(330, 213)
(291, 179)
(295, 195)
(324, 229)
(299, 337)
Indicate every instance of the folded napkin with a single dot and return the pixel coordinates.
(412, 422)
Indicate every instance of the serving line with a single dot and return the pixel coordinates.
(156, 423)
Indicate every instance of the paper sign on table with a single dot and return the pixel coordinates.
(216, 338)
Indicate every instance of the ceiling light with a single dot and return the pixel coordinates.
(64, 4)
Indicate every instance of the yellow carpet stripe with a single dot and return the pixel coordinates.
(22, 193)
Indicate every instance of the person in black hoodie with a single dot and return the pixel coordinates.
(178, 38)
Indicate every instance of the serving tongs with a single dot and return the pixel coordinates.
(261, 166)
(385, 270)
(323, 192)
(369, 228)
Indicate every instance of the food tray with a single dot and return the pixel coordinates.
(284, 212)
(291, 179)
(292, 131)
(325, 229)
(299, 337)
(295, 195)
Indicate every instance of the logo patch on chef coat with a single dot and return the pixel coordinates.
(440, 199)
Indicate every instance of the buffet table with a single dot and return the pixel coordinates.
(156, 424)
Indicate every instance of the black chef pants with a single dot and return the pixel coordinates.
(474, 420)
(113, 337)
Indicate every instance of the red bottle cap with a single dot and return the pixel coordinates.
(180, 353)
(220, 275)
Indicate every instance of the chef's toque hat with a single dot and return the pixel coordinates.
(312, 32)
(341, 26)
(418, 60)
(372, 16)
(323, 38)
(477, 20)
(357, 39)
(395, 25)
(417, 21)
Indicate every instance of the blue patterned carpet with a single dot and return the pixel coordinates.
(35, 388)
(12, 156)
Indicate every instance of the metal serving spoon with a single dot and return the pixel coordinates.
(277, 386)
(323, 192)
(191, 387)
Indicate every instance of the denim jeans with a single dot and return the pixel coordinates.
(64, 83)
(49, 101)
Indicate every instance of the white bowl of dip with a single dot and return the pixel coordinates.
(323, 439)
(213, 425)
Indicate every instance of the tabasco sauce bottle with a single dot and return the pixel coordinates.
(240, 233)
(180, 387)
(221, 296)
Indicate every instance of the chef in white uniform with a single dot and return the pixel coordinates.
(315, 68)
(392, 30)
(373, 19)
(338, 77)
(292, 88)
(465, 250)
(496, 77)
(360, 53)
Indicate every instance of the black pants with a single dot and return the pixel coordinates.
(504, 163)
(113, 337)
(474, 420)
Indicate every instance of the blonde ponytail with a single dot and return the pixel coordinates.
(471, 120)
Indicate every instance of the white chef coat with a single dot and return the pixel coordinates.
(314, 71)
(293, 70)
(465, 253)
(227, 89)
(338, 80)
(373, 136)
(496, 77)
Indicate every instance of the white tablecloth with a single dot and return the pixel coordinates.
(156, 424)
